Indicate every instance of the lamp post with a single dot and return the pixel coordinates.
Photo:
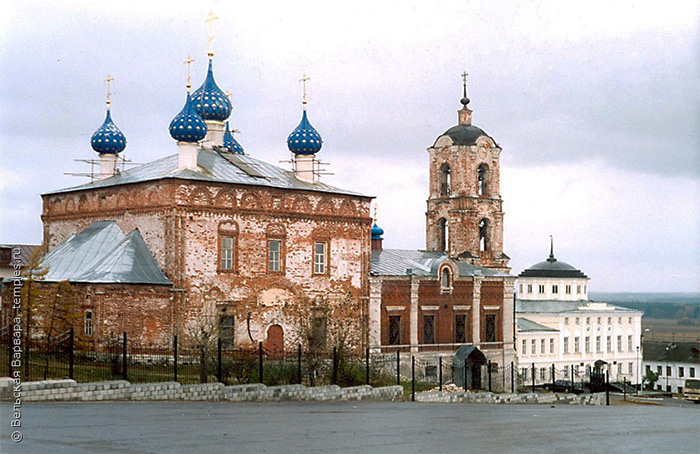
(639, 372)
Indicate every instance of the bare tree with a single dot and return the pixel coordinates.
(202, 335)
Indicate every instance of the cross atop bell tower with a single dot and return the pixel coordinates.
(464, 216)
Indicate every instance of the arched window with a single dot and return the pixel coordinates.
(443, 235)
(445, 179)
(445, 278)
(88, 323)
(483, 179)
(484, 237)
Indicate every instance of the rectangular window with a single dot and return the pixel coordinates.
(681, 371)
(542, 346)
(551, 345)
(597, 344)
(619, 368)
(630, 344)
(578, 321)
(524, 352)
(609, 320)
(568, 290)
(555, 289)
(226, 253)
(629, 368)
(541, 289)
(588, 320)
(320, 258)
(648, 368)
(274, 263)
(566, 320)
(619, 343)
(226, 330)
(88, 323)
(692, 372)
(629, 320)
(394, 330)
(533, 346)
(587, 343)
(598, 320)
(659, 371)
(668, 371)
(460, 328)
(529, 288)
(521, 288)
(609, 339)
(428, 329)
(577, 347)
(491, 335)
(578, 289)
(543, 374)
(566, 345)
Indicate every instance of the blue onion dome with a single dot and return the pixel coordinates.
(209, 101)
(304, 140)
(377, 232)
(188, 126)
(231, 143)
(108, 139)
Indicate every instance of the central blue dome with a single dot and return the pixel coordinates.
(108, 139)
(304, 140)
(188, 126)
(209, 101)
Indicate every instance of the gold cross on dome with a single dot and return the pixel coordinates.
(303, 81)
(109, 80)
(188, 62)
(210, 20)
(464, 78)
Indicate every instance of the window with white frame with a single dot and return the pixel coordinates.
(274, 263)
(566, 345)
(681, 371)
(577, 347)
(541, 289)
(568, 289)
(521, 288)
(691, 372)
(566, 320)
(551, 345)
(320, 258)
(446, 279)
(609, 343)
(529, 288)
(619, 343)
(88, 323)
(578, 289)
(542, 346)
(597, 344)
(555, 289)
(630, 343)
(226, 253)
(587, 345)
(524, 348)
(629, 368)
(533, 346)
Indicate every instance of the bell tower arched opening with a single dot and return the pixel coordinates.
(443, 234)
(482, 182)
(484, 236)
(445, 179)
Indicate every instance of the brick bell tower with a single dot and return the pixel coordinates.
(465, 210)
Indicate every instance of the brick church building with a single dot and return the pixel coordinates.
(246, 249)
(457, 291)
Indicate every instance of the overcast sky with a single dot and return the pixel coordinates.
(596, 107)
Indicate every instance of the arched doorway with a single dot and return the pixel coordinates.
(474, 359)
(274, 344)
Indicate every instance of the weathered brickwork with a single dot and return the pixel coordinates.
(183, 222)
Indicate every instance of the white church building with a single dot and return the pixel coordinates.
(558, 325)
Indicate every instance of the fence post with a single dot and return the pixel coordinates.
(299, 362)
(124, 361)
(512, 377)
(624, 388)
(489, 366)
(335, 366)
(607, 387)
(534, 371)
(554, 377)
(367, 366)
(572, 376)
(398, 367)
(219, 375)
(71, 344)
(175, 358)
(440, 372)
(465, 374)
(413, 378)
(260, 362)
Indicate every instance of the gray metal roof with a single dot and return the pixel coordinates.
(25, 252)
(396, 262)
(525, 325)
(214, 167)
(465, 134)
(553, 306)
(675, 352)
(101, 253)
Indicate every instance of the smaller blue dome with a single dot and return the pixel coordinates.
(209, 101)
(188, 126)
(377, 232)
(304, 140)
(108, 139)
(231, 143)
